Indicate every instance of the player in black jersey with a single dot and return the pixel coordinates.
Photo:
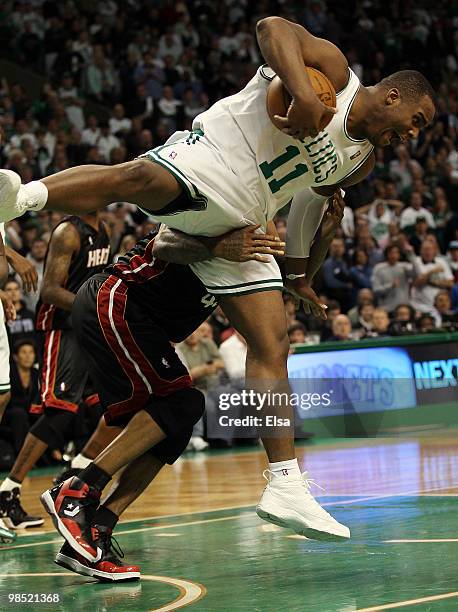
(79, 247)
(125, 320)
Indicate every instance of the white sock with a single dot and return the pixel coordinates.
(33, 196)
(8, 485)
(285, 469)
(80, 462)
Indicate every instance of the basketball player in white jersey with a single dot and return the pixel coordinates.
(238, 168)
(6, 311)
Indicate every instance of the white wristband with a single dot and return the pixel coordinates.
(33, 196)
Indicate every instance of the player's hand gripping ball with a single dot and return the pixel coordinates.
(299, 118)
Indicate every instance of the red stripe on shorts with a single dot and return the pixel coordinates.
(145, 381)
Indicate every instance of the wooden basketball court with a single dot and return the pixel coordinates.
(199, 543)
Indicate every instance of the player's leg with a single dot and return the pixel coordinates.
(62, 383)
(138, 373)
(132, 482)
(286, 500)
(6, 536)
(88, 188)
(99, 440)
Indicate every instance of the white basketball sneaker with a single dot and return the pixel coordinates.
(6, 536)
(287, 501)
(10, 208)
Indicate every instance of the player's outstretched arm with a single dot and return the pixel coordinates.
(287, 47)
(238, 245)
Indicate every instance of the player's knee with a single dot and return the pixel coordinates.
(176, 414)
(272, 350)
(52, 426)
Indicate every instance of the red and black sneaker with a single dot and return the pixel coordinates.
(108, 569)
(72, 505)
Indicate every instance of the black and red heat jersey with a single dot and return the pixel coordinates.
(92, 257)
(170, 294)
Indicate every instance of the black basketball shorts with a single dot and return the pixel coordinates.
(129, 357)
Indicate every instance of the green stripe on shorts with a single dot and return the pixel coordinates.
(275, 281)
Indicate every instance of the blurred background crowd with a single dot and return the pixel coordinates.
(117, 78)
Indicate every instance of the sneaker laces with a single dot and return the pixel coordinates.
(108, 543)
(307, 482)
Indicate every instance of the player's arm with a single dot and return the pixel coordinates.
(64, 245)
(238, 245)
(307, 243)
(3, 263)
(24, 268)
(5, 300)
(287, 47)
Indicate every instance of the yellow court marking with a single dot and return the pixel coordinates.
(435, 540)
(409, 602)
(190, 591)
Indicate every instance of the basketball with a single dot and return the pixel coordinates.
(279, 98)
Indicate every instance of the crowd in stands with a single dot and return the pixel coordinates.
(117, 78)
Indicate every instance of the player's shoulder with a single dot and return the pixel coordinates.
(65, 234)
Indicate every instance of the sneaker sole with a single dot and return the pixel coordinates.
(79, 568)
(48, 504)
(36, 523)
(7, 538)
(298, 527)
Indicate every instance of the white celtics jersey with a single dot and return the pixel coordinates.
(272, 164)
(2, 232)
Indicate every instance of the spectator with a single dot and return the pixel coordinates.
(169, 107)
(25, 391)
(364, 296)
(420, 232)
(23, 327)
(452, 258)
(403, 321)
(119, 123)
(341, 328)
(68, 93)
(233, 353)
(297, 333)
(361, 271)
(425, 324)
(442, 312)
(91, 134)
(332, 312)
(336, 275)
(380, 324)
(391, 279)
(106, 142)
(431, 275)
(416, 209)
(365, 319)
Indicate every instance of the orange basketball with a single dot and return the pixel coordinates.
(279, 98)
